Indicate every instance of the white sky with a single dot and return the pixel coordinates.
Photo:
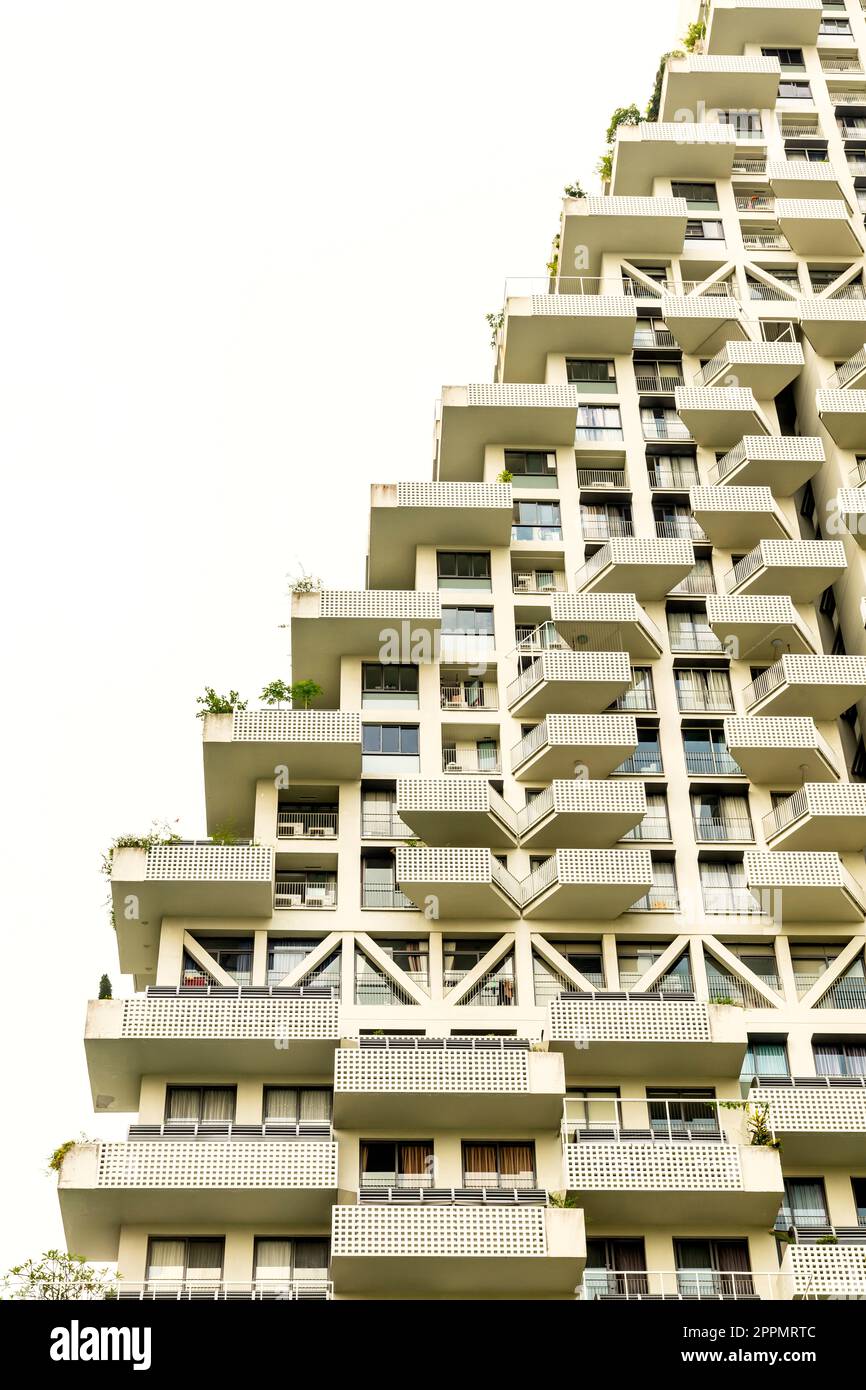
(243, 246)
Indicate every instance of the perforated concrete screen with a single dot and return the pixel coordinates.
(249, 863)
(266, 1017)
(634, 1020)
(647, 1166)
(454, 1231)
(218, 1164)
(396, 1071)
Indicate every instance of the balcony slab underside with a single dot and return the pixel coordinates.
(761, 641)
(843, 415)
(725, 86)
(802, 584)
(732, 26)
(641, 156)
(397, 530)
(467, 428)
(537, 325)
(800, 699)
(715, 420)
(594, 227)
(649, 581)
(448, 824)
(703, 323)
(733, 529)
(560, 691)
(460, 900)
(581, 829)
(834, 327)
(558, 757)
(811, 235)
(320, 642)
(772, 765)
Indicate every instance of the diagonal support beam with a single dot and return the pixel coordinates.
(397, 976)
(206, 960)
(325, 948)
(501, 947)
(560, 964)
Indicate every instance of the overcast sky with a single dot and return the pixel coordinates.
(244, 245)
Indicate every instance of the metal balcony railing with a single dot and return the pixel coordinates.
(653, 338)
(470, 760)
(698, 582)
(665, 430)
(539, 582)
(206, 1290)
(712, 829)
(649, 381)
(755, 240)
(679, 983)
(602, 477)
(704, 701)
(639, 698)
(469, 696)
(645, 760)
(382, 824)
(384, 896)
(599, 434)
(688, 640)
(521, 532)
(650, 828)
(718, 763)
(677, 475)
(606, 528)
(734, 902)
(306, 825)
(682, 528)
(685, 1284)
(310, 893)
(848, 370)
(667, 1121)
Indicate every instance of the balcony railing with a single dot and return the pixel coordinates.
(648, 381)
(682, 475)
(653, 338)
(605, 528)
(645, 760)
(704, 702)
(679, 983)
(602, 477)
(599, 434)
(698, 582)
(599, 1284)
(383, 825)
(733, 902)
(679, 528)
(711, 829)
(848, 371)
(312, 893)
(716, 764)
(469, 696)
(641, 697)
(470, 760)
(206, 1290)
(650, 828)
(385, 896)
(539, 582)
(668, 1121)
(665, 430)
(494, 991)
(687, 640)
(755, 240)
(520, 532)
(306, 825)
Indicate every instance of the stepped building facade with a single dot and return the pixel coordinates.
(534, 965)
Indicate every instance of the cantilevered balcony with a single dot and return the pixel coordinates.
(822, 816)
(445, 1084)
(184, 880)
(464, 883)
(577, 321)
(580, 813)
(200, 1181)
(406, 515)
(835, 327)
(596, 884)
(562, 743)
(826, 1271)
(243, 748)
(804, 887)
(820, 686)
(819, 1120)
(207, 1033)
(764, 368)
(456, 811)
(788, 23)
(843, 415)
(734, 517)
(719, 83)
(596, 227)
(703, 322)
(768, 749)
(600, 621)
(793, 179)
(510, 415)
(818, 226)
(851, 506)
(719, 417)
(781, 462)
(758, 626)
(639, 1034)
(567, 682)
(669, 150)
(430, 1249)
(800, 569)
(393, 624)
(647, 568)
(851, 374)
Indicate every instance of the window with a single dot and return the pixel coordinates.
(399, 740)
(792, 90)
(583, 956)
(593, 1108)
(183, 1259)
(463, 569)
(379, 883)
(498, 1165)
(765, 1057)
(533, 521)
(599, 422)
(467, 622)
(204, 1104)
(233, 954)
(706, 752)
(805, 1205)
(706, 229)
(724, 890)
(280, 1260)
(701, 689)
(683, 1113)
(713, 1268)
(615, 1269)
(721, 818)
(284, 954)
(388, 1163)
(591, 373)
(745, 123)
(789, 58)
(303, 888)
(689, 631)
(291, 1103)
(636, 958)
(840, 1057)
(647, 757)
(601, 521)
(672, 470)
(835, 28)
(383, 683)
(700, 197)
(663, 896)
(531, 463)
(859, 1187)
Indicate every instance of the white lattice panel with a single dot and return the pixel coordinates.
(707, 306)
(635, 207)
(211, 863)
(851, 501)
(626, 1020)
(379, 604)
(516, 394)
(602, 306)
(454, 495)
(718, 398)
(842, 403)
(570, 730)
(801, 1109)
(445, 866)
(473, 1232)
(212, 1017)
(803, 171)
(584, 666)
(800, 555)
(772, 609)
(164, 1163)
(770, 732)
(653, 551)
(686, 133)
(714, 62)
(812, 209)
(835, 799)
(453, 793)
(794, 869)
(295, 726)
(808, 5)
(421, 1073)
(587, 796)
(830, 1271)
(832, 310)
(594, 866)
(652, 1166)
(779, 448)
(749, 354)
(595, 608)
(821, 670)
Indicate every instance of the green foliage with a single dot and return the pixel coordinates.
(303, 693)
(574, 190)
(564, 1200)
(505, 476)
(827, 1240)
(605, 167)
(553, 264)
(757, 1122)
(218, 704)
(225, 834)
(275, 693)
(160, 833)
(694, 35)
(654, 103)
(623, 115)
(104, 988)
(494, 323)
(56, 1276)
(55, 1162)
(305, 584)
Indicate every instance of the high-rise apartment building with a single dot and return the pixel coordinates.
(533, 966)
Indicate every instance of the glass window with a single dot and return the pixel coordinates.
(838, 1057)
(488, 1164)
(391, 739)
(200, 1103)
(381, 677)
(530, 463)
(293, 1103)
(280, 1259)
(765, 1057)
(467, 622)
(463, 564)
(386, 1163)
(585, 370)
(181, 1259)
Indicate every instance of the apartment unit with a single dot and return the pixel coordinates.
(534, 968)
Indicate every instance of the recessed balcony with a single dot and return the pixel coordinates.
(788, 23)
(428, 1250)
(792, 179)
(639, 1034)
(599, 319)
(804, 887)
(456, 811)
(733, 517)
(246, 746)
(606, 620)
(820, 686)
(562, 743)
(822, 816)
(818, 226)
(385, 624)
(509, 415)
(446, 1084)
(595, 227)
(758, 626)
(835, 327)
(800, 569)
(764, 368)
(184, 880)
(567, 682)
(596, 884)
(768, 749)
(718, 418)
(463, 883)
(843, 415)
(200, 1181)
(581, 813)
(669, 150)
(818, 1119)
(824, 1271)
(719, 83)
(404, 516)
(702, 323)
(649, 569)
(781, 462)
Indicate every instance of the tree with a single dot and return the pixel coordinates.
(275, 693)
(56, 1276)
(218, 704)
(105, 988)
(623, 115)
(695, 35)
(303, 694)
